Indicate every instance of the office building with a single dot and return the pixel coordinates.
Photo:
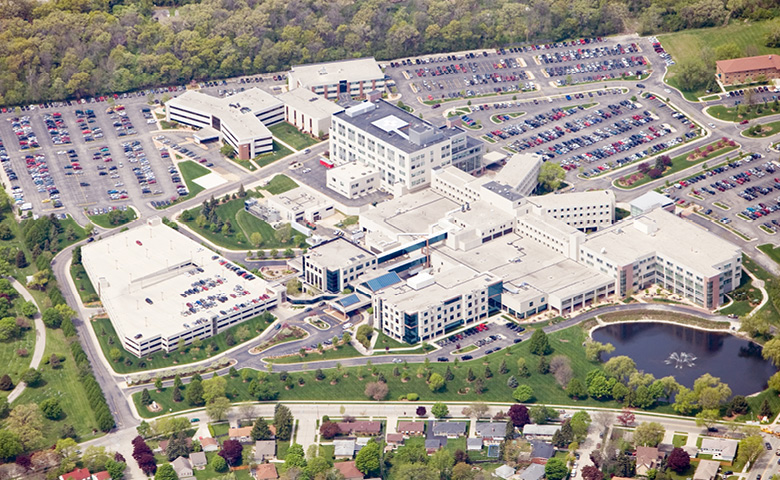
(309, 112)
(353, 180)
(160, 288)
(402, 147)
(748, 69)
(351, 77)
(301, 205)
(333, 265)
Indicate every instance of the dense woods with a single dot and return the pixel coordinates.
(70, 48)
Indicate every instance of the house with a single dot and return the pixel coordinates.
(242, 434)
(264, 450)
(198, 460)
(349, 470)
(647, 458)
(544, 432)
(362, 427)
(432, 444)
(77, 474)
(394, 439)
(707, 470)
(209, 444)
(541, 450)
(265, 471)
(474, 444)
(534, 471)
(104, 475)
(491, 432)
(344, 449)
(449, 429)
(504, 471)
(361, 442)
(411, 428)
(182, 467)
(720, 448)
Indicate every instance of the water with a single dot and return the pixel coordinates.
(687, 353)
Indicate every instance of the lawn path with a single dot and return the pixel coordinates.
(40, 338)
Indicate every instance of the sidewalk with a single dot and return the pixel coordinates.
(40, 338)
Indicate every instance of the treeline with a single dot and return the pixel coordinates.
(75, 48)
(95, 396)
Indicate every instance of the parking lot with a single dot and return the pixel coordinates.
(570, 63)
(489, 337)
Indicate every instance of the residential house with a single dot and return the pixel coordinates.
(163, 446)
(474, 444)
(344, 449)
(182, 467)
(707, 470)
(264, 450)
(411, 428)
(394, 440)
(491, 432)
(361, 442)
(242, 434)
(541, 450)
(198, 460)
(534, 471)
(432, 444)
(104, 475)
(265, 471)
(209, 444)
(504, 471)
(362, 427)
(449, 429)
(349, 470)
(647, 458)
(77, 474)
(720, 448)
(544, 432)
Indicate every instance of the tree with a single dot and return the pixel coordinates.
(512, 382)
(367, 459)
(6, 383)
(376, 390)
(28, 309)
(750, 448)
(26, 421)
(218, 407)
(283, 421)
(541, 414)
(708, 418)
(166, 472)
(96, 458)
(227, 151)
(21, 260)
(116, 470)
(295, 457)
(620, 367)
(755, 325)
(440, 410)
(771, 351)
(626, 417)
(649, 434)
(539, 344)
(260, 430)
(502, 367)
(594, 349)
(231, 452)
(678, 460)
(710, 391)
(194, 393)
(462, 471)
(219, 464)
(561, 370)
(523, 393)
(213, 388)
(421, 411)
(329, 430)
(564, 436)
(51, 318)
(522, 367)
(692, 75)
(442, 461)
(551, 174)
(519, 415)
(555, 469)
(146, 398)
(739, 404)
(592, 473)
(436, 382)
(51, 408)
(544, 365)
(576, 389)
(765, 410)
(10, 445)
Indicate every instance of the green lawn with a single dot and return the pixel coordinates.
(280, 184)
(565, 342)
(291, 136)
(679, 440)
(383, 341)
(767, 130)
(732, 114)
(13, 364)
(771, 251)
(106, 335)
(83, 284)
(760, 273)
(345, 351)
(79, 233)
(190, 171)
(684, 475)
(280, 151)
(102, 219)
(250, 224)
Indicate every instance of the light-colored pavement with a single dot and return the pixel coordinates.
(40, 337)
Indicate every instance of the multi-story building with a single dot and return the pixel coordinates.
(240, 120)
(404, 148)
(333, 265)
(301, 205)
(308, 111)
(748, 69)
(352, 77)
(586, 211)
(353, 179)
(160, 288)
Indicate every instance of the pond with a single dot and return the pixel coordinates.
(687, 353)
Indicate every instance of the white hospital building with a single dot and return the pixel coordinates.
(351, 77)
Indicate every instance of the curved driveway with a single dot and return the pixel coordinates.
(40, 337)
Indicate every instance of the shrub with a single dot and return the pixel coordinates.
(412, 397)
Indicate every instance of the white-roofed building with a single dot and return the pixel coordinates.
(355, 77)
(353, 179)
(301, 205)
(308, 111)
(650, 200)
(159, 287)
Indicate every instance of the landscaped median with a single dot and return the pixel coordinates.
(743, 112)
(763, 131)
(666, 166)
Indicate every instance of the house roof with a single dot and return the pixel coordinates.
(449, 428)
(77, 474)
(534, 429)
(395, 438)
(362, 426)
(727, 447)
(504, 471)
(265, 448)
(541, 449)
(706, 470)
(240, 432)
(533, 472)
(417, 427)
(104, 475)
(646, 456)
(181, 465)
(747, 64)
(198, 458)
(206, 441)
(432, 444)
(164, 445)
(473, 444)
(491, 429)
(348, 469)
(266, 471)
(343, 447)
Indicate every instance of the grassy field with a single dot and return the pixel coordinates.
(190, 171)
(102, 219)
(13, 364)
(345, 351)
(771, 251)
(280, 151)
(760, 273)
(291, 136)
(767, 130)
(732, 114)
(280, 184)
(108, 339)
(86, 290)
(565, 342)
(383, 341)
(250, 224)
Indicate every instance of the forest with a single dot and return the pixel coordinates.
(62, 49)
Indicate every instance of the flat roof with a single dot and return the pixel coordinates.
(299, 198)
(351, 171)
(310, 103)
(650, 200)
(411, 213)
(519, 167)
(674, 238)
(573, 199)
(155, 262)
(331, 73)
(748, 64)
(332, 254)
(395, 126)
(482, 215)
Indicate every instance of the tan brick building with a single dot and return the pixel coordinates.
(743, 70)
